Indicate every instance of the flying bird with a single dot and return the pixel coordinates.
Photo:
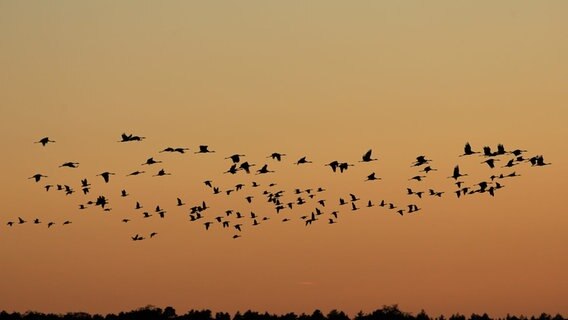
(367, 156)
(106, 175)
(204, 149)
(130, 137)
(457, 173)
(37, 177)
(44, 141)
(467, 151)
(70, 165)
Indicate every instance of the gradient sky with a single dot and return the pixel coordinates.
(324, 79)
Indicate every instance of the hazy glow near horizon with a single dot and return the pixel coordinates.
(327, 80)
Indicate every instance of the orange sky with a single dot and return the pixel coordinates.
(325, 79)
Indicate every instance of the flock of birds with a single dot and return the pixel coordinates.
(313, 204)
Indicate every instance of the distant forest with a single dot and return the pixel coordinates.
(151, 313)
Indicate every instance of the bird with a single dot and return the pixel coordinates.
(490, 162)
(487, 152)
(367, 156)
(21, 221)
(178, 150)
(135, 173)
(70, 165)
(153, 234)
(302, 160)
(511, 163)
(246, 166)
(539, 162)
(467, 151)
(84, 183)
(123, 193)
(37, 177)
(344, 166)
(130, 137)
(428, 169)
(417, 178)
(420, 160)
(50, 224)
(179, 202)
(263, 170)
(334, 165)
(236, 158)
(372, 177)
(151, 161)
(456, 174)
(106, 175)
(232, 170)
(161, 173)
(44, 141)
(277, 156)
(517, 152)
(204, 149)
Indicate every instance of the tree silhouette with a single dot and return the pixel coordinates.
(169, 313)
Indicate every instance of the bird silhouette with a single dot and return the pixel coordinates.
(372, 177)
(467, 151)
(70, 165)
(456, 174)
(232, 170)
(130, 137)
(44, 141)
(428, 169)
(151, 161)
(333, 165)
(420, 160)
(236, 158)
(106, 175)
(135, 173)
(491, 162)
(37, 177)
(204, 149)
(178, 150)
(161, 173)
(302, 160)
(263, 170)
(344, 166)
(246, 166)
(367, 157)
(277, 156)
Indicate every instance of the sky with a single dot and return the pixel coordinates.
(328, 80)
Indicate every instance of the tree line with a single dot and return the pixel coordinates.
(169, 313)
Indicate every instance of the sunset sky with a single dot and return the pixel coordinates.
(324, 79)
